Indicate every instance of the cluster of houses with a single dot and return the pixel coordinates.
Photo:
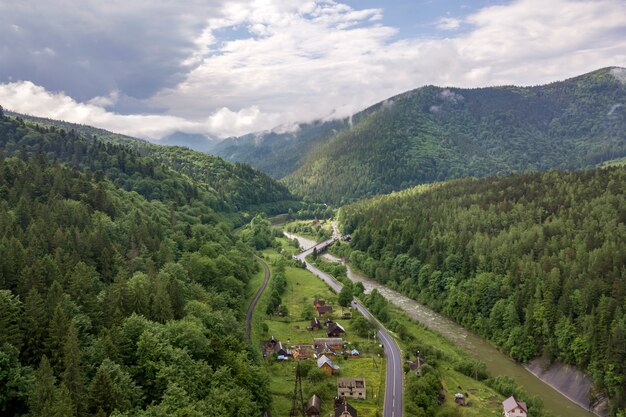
(323, 350)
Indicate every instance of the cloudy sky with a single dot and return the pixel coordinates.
(151, 67)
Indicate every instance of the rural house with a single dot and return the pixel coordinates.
(514, 408)
(326, 365)
(335, 330)
(351, 388)
(345, 410)
(334, 342)
(321, 310)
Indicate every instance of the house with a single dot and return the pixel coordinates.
(313, 407)
(416, 365)
(459, 399)
(335, 330)
(280, 349)
(326, 365)
(325, 350)
(351, 388)
(315, 324)
(514, 408)
(334, 342)
(318, 302)
(274, 345)
(321, 310)
(345, 410)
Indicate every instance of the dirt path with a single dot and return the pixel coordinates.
(255, 300)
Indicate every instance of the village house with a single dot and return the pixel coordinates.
(313, 407)
(345, 410)
(315, 324)
(514, 408)
(335, 330)
(274, 345)
(351, 388)
(321, 310)
(334, 342)
(318, 302)
(301, 352)
(325, 350)
(326, 365)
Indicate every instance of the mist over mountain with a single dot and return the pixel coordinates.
(434, 133)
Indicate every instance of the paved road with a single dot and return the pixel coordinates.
(255, 300)
(394, 382)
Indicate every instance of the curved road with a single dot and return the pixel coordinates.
(255, 300)
(394, 381)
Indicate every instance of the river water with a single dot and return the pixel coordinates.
(497, 362)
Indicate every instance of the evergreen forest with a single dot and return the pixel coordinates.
(533, 262)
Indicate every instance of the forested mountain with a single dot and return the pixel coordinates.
(534, 262)
(432, 134)
(197, 142)
(235, 187)
(278, 154)
(120, 285)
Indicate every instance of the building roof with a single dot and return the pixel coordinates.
(341, 408)
(321, 349)
(319, 302)
(331, 341)
(351, 383)
(511, 403)
(323, 359)
(335, 328)
(324, 309)
(354, 352)
(314, 404)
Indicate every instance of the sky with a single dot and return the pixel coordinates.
(148, 68)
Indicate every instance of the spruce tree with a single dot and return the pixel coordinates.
(72, 376)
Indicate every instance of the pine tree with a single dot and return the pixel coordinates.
(34, 324)
(72, 377)
(57, 333)
(44, 392)
(10, 312)
(62, 406)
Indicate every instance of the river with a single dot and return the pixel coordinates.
(497, 362)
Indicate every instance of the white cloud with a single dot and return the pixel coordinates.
(297, 60)
(28, 98)
(306, 60)
(448, 23)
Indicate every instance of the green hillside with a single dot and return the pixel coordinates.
(533, 262)
(233, 187)
(121, 285)
(433, 134)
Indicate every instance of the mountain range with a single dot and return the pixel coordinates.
(434, 133)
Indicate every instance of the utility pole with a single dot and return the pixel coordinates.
(297, 405)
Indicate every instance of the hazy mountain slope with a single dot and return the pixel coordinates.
(534, 262)
(433, 133)
(278, 154)
(197, 142)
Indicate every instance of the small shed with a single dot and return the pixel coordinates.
(313, 406)
(321, 310)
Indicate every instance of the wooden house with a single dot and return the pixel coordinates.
(345, 410)
(313, 407)
(334, 342)
(335, 330)
(321, 310)
(325, 350)
(315, 324)
(326, 365)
